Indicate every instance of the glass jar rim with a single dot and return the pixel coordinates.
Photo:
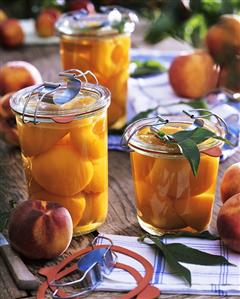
(138, 145)
(49, 112)
(113, 22)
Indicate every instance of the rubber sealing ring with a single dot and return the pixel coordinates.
(57, 272)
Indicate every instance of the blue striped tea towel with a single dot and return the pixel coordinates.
(152, 91)
(206, 280)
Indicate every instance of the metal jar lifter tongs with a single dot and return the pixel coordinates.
(93, 263)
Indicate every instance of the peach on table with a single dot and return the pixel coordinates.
(40, 229)
(75, 204)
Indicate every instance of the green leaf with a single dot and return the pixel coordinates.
(224, 140)
(191, 153)
(177, 252)
(172, 262)
(197, 135)
(197, 104)
(202, 235)
(143, 114)
(148, 67)
(190, 255)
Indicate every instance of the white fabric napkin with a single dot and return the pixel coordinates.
(206, 280)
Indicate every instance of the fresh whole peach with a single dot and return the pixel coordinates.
(45, 22)
(40, 229)
(15, 75)
(8, 130)
(223, 39)
(193, 75)
(229, 76)
(228, 223)
(3, 16)
(230, 185)
(11, 33)
(81, 4)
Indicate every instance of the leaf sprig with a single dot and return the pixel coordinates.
(177, 253)
(187, 141)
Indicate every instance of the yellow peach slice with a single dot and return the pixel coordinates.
(143, 195)
(90, 145)
(99, 206)
(120, 53)
(101, 57)
(196, 211)
(99, 181)
(206, 177)
(87, 213)
(170, 177)
(116, 113)
(164, 214)
(75, 205)
(33, 187)
(141, 165)
(36, 139)
(61, 170)
(118, 86)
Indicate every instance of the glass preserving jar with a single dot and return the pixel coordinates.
(100, 43)
(64, 149)
(168, 195)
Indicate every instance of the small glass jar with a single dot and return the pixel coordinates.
(100, 43)
(168, 196)
(64, 151)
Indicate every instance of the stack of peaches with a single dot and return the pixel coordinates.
(195, 74)
(11, 31)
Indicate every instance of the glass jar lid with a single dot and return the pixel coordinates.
(113, 20)
(60, 102)
(140, 137)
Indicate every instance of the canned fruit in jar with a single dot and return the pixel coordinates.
(99, 181)
(170, 177)
(141, 165)
(61, 170)
(90, 141)
(116, 113)
(35, 140)
(75, 204)
(205, 180)
(154, 209)
(99, 206)
(108, 59)
(195, 211)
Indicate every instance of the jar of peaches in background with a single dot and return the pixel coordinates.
(169, 197)
(100, 43)
(64, 148)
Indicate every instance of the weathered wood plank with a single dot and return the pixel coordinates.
(8, 289)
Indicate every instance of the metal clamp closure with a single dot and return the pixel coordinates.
(58, 93)
(92, 266)
(198, 121)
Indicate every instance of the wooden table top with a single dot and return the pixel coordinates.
(122, 215)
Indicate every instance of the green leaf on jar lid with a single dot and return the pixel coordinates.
(187, 141)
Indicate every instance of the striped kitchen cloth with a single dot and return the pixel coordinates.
(206, 280)
(155, 91)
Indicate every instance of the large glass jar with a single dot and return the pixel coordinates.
(64, 150)
(168, 195)
(100, 43)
